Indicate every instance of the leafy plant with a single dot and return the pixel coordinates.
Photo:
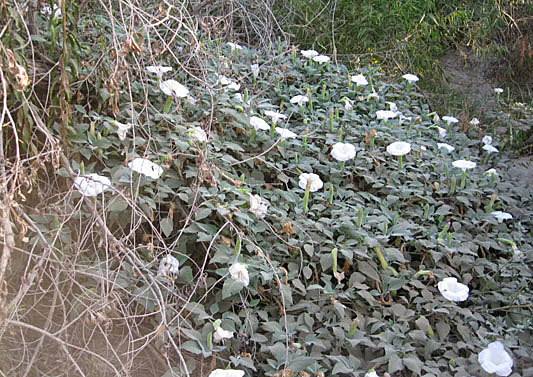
(267, 246)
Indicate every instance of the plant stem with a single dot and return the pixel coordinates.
(463, 180)
(306, 196)
(167, 105)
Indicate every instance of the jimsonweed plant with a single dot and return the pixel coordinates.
(306, 252)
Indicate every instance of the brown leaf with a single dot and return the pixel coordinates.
(287, 228)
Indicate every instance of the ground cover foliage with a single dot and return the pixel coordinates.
(311, 281)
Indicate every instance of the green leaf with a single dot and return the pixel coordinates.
(166, 225)
(244, 361)
(443, 329)
(202, 213)
(369, 270)
(414, 364)
(230, 288)
(395, 363)
(192, 346)
(186, 274)
(301, 363)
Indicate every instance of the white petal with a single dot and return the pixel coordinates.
(385, 114)
(168, 265)
(239, 273)
(258, 206)
(259, 124)
(159, 70)
(452, 290)
(464, 164)
(321, 59)
(450, 119)
(359, 79)
(448, 147)
(146, 167)
(490, 149)
(172, 87)
(92, 184)
(399, 148)
(410, 77)
(315, 181)
(199, 134)
(309, 54)
(299, 99)
(285, 133)
(495, 359)
(343, 151)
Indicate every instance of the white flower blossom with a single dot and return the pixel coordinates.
(299, 99)
(173, 88)
(498, 90)
(275, 116)
(315, 181)
(491, 171)
(452, 290)
(309, 54)
(392, 107)
(285, 133)
(220, 334)
(255, 70)
(146, 167)
(442, 132)
(46, 11)
(321, 59)
(348, 103)
(359, 80)
(490, 149)
(228, 83)
(258, 206)
(495, 359)
(385, 114)
(410, 78)
(159, 70)
(487, 139)
(371, 373)
(464, 164)
(122, 129)
(234, 86)
(226, 373)
(199, 134)
(516, 251)
(343, 151)
(399, 148)
(448, 147)
(259, 124)
(475, 122)
(373, 96)
(223, 80)
(502, 216)
(450, 119)
(436, 118)
(234, 46)
(168, 266)
(92, 184)
(239, 273)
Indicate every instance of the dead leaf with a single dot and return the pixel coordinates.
(287, 228)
